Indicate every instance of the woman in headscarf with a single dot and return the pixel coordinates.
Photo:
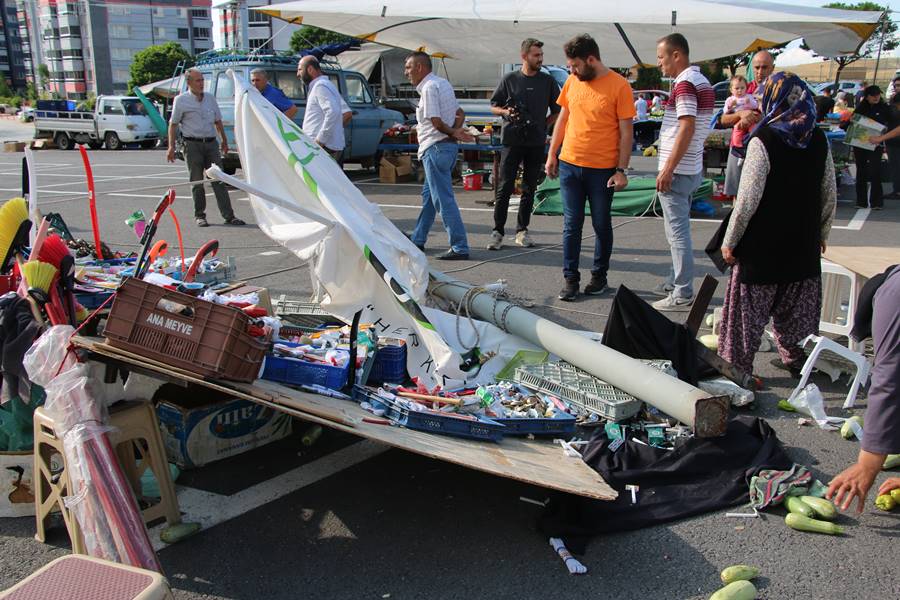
(778, 229)
(869, 192)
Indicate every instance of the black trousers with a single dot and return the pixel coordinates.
(868, 171)
(532, 160)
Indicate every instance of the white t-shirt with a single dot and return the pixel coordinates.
(322, 117)
(436, 99)
(640, 105)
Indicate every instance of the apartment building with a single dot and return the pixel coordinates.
(12, 57)
(236, 26)
(89, 46)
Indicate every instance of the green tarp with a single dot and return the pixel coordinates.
(633, 200)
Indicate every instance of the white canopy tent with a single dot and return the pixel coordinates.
(626, 32)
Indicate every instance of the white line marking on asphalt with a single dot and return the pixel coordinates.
(42, 191)
(269, 253)
(157, 196)
(857, 222)
(213, 509)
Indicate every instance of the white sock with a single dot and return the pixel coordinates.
(572, 564)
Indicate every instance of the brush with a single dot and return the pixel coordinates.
(39, 238)
(39, 277)
(13, 230)
(55, 252)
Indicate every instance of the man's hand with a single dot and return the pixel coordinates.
(664, 180)
(552, 166)
(749, 118)
(728, 255)
(462, 135)
(618, 181)
(224, 147)
(891, 484)
(855, 481)
(170, 154)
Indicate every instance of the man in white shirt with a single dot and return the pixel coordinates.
(440, 120)
(322, 119)
(640, 105)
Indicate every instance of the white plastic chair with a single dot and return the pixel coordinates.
(834, 319)
(826, 344)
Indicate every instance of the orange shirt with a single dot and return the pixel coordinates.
(595, 108)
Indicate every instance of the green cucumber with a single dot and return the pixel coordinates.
(739, 573)
(796, 505)
(738, 590)
(824, 508)
(885, 502)
(891, 461)
(801, 523)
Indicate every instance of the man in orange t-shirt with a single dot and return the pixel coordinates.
(595, 131)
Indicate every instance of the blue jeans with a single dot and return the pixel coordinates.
(437, 196)
(576, 185)
(676, 206)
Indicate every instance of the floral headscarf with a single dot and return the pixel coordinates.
(788, 109)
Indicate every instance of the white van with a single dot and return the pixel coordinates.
(115, 122)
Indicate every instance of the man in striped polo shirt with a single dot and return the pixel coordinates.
(684, 130)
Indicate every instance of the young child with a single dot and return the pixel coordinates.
(737, 101)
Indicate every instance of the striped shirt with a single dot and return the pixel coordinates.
(692, 96)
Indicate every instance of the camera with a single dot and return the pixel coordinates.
(520, 122)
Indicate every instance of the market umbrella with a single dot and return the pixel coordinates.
(627, 33)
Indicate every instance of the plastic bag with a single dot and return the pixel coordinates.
(47, 354)
(810, 402)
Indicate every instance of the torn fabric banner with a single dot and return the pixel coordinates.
(358, 259)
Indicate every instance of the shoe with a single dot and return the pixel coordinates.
(672, 304)
(597, 285)
(234, 221)
(496, 241)
(794, 371)
(523, 239)
(663, 289)
(419, 246)
(877, 208)
(451, 255)
(569, 291)
(201, 222)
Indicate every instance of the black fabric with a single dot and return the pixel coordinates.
(531, 96)
(714, 246)
(636, 329)
(868, 171)
(700, 475)
(18, 330)
(782, 242)
(862, 317)
(824, 105)
(894, 121)
(532, 160)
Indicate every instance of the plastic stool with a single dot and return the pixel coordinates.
(135, 433)
(76, 577)
(826, 344)
(832, 297)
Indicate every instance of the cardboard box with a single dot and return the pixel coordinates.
(14, 147)
(394, 169)
(199, 427)
(42, 144)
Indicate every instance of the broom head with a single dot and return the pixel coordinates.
(13, 232)
(39, 275)
(54, 250)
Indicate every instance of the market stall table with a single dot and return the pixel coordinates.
(536, 462)
(494, 149)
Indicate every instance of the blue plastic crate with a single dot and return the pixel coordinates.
(92, 300)
(294, 371)
(433, 422)
(561, 424)
(390, 364)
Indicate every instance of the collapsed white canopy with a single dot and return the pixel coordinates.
(493, 29)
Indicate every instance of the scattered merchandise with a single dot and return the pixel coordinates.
(737, 590)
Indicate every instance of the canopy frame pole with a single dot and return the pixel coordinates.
(628, 44)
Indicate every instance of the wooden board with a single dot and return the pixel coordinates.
(868, 261)
(540, 463)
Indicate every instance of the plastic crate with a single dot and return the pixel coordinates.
(561, 424)
(479, 428)
(294, 371)
(185, 332)
(92, 300)
(522, 357)
(303, 314)
(390, 362)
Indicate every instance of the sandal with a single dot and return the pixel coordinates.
(234, 221)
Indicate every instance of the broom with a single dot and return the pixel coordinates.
(39, 276)
(55, 252)
(14, 230)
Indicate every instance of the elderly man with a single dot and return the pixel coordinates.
(439, 127)
(322, 119)
(763, 64)
(197, 113)
(260, 80)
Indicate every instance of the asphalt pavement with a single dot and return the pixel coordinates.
(352, 519)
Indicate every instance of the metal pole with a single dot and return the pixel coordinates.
(884, 25)
(706, 414)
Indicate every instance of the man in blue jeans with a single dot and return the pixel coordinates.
(684, 129)
(595, 131)
(440, 120)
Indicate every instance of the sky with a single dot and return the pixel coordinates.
(795, 56)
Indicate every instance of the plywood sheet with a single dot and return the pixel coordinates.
(868, 261)
(530, 461)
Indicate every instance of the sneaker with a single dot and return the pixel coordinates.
(234, 221)
(523, 239)
(663, 289)
(496, 241)
(569, 291)
(597, 285)
(672, 304)
(201, 222)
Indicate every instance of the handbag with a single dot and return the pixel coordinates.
(714, 246)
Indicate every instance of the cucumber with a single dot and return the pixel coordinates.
(796, 505)
(895, 494)
(739, 573)
(801, 523)
(891, 461)
(824, 508)
(738, 590)
(885, 502)
(847, 428)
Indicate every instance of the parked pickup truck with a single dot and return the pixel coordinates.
(116, 121)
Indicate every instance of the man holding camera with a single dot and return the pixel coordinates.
(522, 99)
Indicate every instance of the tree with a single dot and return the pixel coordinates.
(648, 78)
(309, 37)
(712, 70)
(43, 76)
(155, 63)
(734, 63)
(886, 29)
